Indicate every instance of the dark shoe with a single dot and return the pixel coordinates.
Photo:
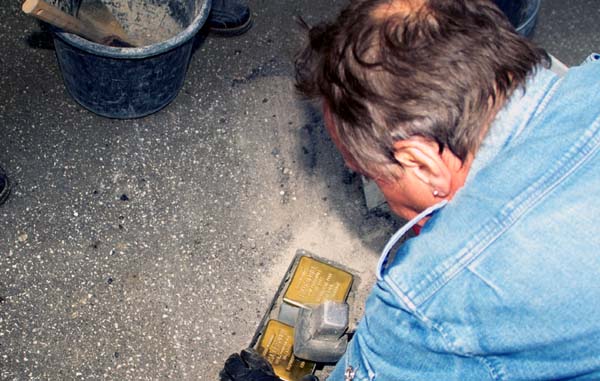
(229, 18)
(4, 186)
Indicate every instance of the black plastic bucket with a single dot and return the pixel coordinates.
(130, 82)
(521, 13)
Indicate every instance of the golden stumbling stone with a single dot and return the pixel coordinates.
(276, 345)
(315, 282)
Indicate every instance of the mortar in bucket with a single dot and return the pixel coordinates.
(134, 82)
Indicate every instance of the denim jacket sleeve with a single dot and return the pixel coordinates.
(417, 349)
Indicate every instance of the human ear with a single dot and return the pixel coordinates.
(421, 158)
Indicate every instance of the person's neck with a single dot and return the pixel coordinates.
(460, 168)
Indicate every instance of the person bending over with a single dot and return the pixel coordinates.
(469, 135)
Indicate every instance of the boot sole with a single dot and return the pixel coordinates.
(229, 32)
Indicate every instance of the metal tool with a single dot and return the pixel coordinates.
(320, 332)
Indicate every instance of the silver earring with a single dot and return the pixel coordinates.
(435, 193)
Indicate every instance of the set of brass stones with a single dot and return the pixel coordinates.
(312, 283)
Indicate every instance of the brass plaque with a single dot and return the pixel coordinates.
(314, 282)
(276, 345)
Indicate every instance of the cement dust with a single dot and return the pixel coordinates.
(328, 238)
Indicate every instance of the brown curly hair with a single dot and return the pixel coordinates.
(391, 69)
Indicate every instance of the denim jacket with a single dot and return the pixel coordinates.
(503, 283)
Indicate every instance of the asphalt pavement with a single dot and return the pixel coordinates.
(149, 249)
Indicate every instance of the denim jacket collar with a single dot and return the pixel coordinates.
(511, 120)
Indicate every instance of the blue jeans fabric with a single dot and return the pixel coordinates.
(503, 283)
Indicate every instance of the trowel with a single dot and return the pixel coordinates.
(94, 22)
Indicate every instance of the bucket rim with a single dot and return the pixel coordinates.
(143, 51)
(525, 24)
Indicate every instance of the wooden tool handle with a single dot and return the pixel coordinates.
(51, 14)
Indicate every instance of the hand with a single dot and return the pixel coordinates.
(251, 366)
(247, 366)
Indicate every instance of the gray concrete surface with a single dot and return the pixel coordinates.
(149, 249)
